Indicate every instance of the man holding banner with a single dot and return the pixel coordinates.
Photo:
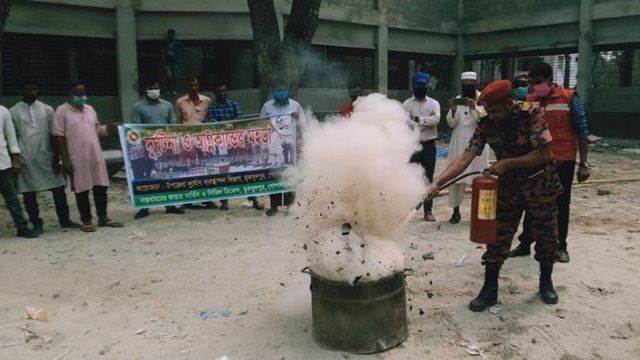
(76, 130)
(223, 109)
(276, 109)
(153, 110)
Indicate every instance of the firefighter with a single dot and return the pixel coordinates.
(527, 181)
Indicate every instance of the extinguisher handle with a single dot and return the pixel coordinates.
(458, 179)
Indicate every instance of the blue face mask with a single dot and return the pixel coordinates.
(521, 92)
(281, 95)
(79, 101)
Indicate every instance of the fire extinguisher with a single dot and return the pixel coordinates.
(484, 206)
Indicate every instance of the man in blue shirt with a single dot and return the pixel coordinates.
(223, 109)
(151, 109)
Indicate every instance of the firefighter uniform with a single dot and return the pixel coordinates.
(532, 190)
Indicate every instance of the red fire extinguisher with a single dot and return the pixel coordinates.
(484, 206)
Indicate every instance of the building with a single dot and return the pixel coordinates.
(594, 45)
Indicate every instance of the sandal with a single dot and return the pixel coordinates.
(109, 223)
(258, 206)
(87, 227)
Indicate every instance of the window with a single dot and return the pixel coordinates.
(507, 66)
(402, 67)
(335, 67)
(212, 60)
(616, 66)
(53, 61)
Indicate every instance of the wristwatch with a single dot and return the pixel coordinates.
(585, 165)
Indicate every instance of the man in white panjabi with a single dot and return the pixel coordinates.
(462, 118)
(33, 122)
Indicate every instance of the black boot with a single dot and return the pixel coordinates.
(523, 249)
(38, 227)
(547, 292)
(455, 217)
(489, 294)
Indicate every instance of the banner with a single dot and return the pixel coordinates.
(182, 164)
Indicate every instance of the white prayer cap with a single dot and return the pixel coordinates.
(469, 75)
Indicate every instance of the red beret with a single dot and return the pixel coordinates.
(495, 92)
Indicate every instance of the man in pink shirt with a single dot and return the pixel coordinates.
(76, 130)
(192, 108)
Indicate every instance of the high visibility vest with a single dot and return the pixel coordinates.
(557, 113)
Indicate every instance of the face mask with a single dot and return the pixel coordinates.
(419, 92)
(281, 95)
(542, 90)
(521, 93)
(79, 101)
(153, 94)
(469, 91)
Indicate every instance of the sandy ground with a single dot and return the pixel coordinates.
(136, 292)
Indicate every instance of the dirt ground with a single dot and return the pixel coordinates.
(136, 292)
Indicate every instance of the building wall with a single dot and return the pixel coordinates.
(417, 26)
(550, 24)
(412, 26)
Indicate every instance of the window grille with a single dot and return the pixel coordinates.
(53, 61)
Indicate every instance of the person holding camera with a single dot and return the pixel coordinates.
(462, 117)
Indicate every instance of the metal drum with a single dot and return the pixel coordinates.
(363, 318)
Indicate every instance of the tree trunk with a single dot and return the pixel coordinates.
(282, 59)
(5, 6)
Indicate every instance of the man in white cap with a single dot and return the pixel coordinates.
(462, 117)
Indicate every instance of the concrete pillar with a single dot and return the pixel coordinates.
(280, 7)
(127, 57)
(458, 66)
(585, 51)
(382, 59)
(382, 48)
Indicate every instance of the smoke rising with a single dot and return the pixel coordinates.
(354, 187)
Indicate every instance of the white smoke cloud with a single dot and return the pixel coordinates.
(357, 171)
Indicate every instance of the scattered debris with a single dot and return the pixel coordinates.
(204, 314)
(346, 229)
(602, 192)
(105, 349)
(474, 350)
(600, 290)
(460, 263)
(36, 314)
(62, 355)
(413, 246)
(356, 280)
(224, 358)
(494, 310)
(139, 332)
(421, 312)
(428, 256)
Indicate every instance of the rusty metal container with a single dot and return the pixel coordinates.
(364, 318)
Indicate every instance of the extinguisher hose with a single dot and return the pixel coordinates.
(417, 207)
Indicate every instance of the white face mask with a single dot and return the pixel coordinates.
(153, 94)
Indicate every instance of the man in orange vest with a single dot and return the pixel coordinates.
(567, 122)
(355, 91)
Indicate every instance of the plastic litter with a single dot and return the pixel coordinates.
(36, 314)
(204, 314)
